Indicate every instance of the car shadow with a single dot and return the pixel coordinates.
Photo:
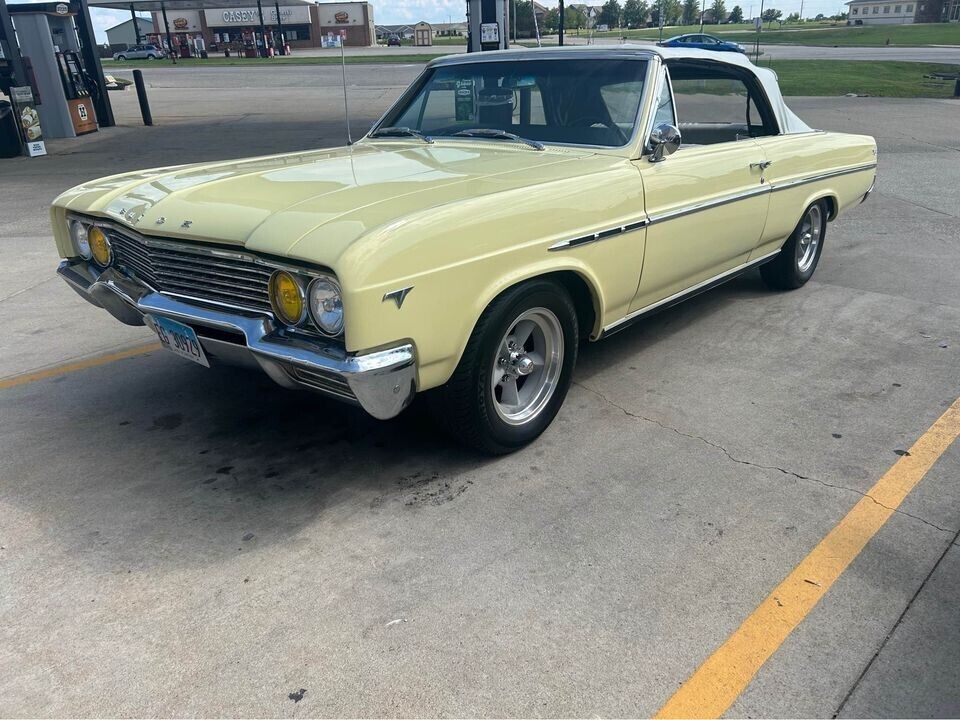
(150, 461)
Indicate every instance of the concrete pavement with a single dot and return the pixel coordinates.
(176, 541)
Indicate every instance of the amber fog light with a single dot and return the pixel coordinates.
(286, 297)
(99, 246)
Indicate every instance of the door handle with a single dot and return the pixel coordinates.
(761, 165)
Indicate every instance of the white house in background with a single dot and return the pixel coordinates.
(124, 34)
(899, 12)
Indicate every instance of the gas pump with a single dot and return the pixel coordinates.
(62, 70)
(77, 91)
(487, 25)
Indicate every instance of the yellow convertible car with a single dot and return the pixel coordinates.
(508, 205)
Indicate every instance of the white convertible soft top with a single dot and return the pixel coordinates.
(788, 121)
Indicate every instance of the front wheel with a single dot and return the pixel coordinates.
(121, 58)
(800, 254)
(515, 370)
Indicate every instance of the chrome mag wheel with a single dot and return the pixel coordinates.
(527, 366)
(809, 239)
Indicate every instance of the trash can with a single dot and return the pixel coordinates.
(9, 133)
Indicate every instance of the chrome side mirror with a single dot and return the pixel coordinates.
(664, 141)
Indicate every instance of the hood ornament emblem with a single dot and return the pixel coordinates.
(398, 296)
(186, 223)
(161, 220)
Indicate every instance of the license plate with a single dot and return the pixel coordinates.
(178, 338)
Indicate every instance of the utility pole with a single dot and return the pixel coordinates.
(703, 4)
(801, 11)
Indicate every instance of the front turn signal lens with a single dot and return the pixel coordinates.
(286, 297)
(99, 246)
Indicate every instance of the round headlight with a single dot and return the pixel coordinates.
(286, 297)
(326, 305)
(99, 246)
(78, 234)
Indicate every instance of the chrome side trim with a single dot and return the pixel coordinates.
(821, 176)
(708, 204)
(688, 292)
(593, 237)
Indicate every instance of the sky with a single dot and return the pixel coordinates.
(394, 12)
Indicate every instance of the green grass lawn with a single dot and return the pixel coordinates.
(864, 35)
(815, 33)
(877, 79)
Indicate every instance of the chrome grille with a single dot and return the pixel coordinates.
(181, 269)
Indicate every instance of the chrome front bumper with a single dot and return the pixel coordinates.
(383, 383)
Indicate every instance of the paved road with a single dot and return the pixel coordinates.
(949, 55)
(177, 541)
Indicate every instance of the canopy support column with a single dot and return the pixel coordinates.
(136, 24)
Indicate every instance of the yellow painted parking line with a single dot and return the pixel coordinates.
(717, 683)
(78, 365)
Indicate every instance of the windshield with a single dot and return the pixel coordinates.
(576, 101)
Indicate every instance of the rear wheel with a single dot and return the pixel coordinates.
(515, 370)
(121, 58)
(151, 57)
(800, 254)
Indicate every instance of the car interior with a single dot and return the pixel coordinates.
(716, 103)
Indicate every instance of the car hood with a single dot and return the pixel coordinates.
(313, 205)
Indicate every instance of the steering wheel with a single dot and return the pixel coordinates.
(590, 121)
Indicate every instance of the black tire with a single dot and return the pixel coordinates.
(121, 58)
(468, 408)
(796, 262)
(151, 57)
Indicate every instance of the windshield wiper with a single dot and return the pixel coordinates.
(495, 134)
(400, 132)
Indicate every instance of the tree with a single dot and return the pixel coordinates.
(736, 15)
(690, 10)
(793, 17)
(820, 17)
(523, 19)
(610, 14)
(635, 13)
(672, 12)
(719, 10)
(771, 15)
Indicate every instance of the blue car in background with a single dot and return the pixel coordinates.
(702, 42)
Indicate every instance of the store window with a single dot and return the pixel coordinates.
(909, 8)
(876, 9)
(898, 9)
(856, 11)
(886, 9)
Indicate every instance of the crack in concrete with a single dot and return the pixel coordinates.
(761, 466)
(21, 291)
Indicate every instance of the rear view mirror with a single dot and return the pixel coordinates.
(664, 141)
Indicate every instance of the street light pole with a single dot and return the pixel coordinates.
(562, 13)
